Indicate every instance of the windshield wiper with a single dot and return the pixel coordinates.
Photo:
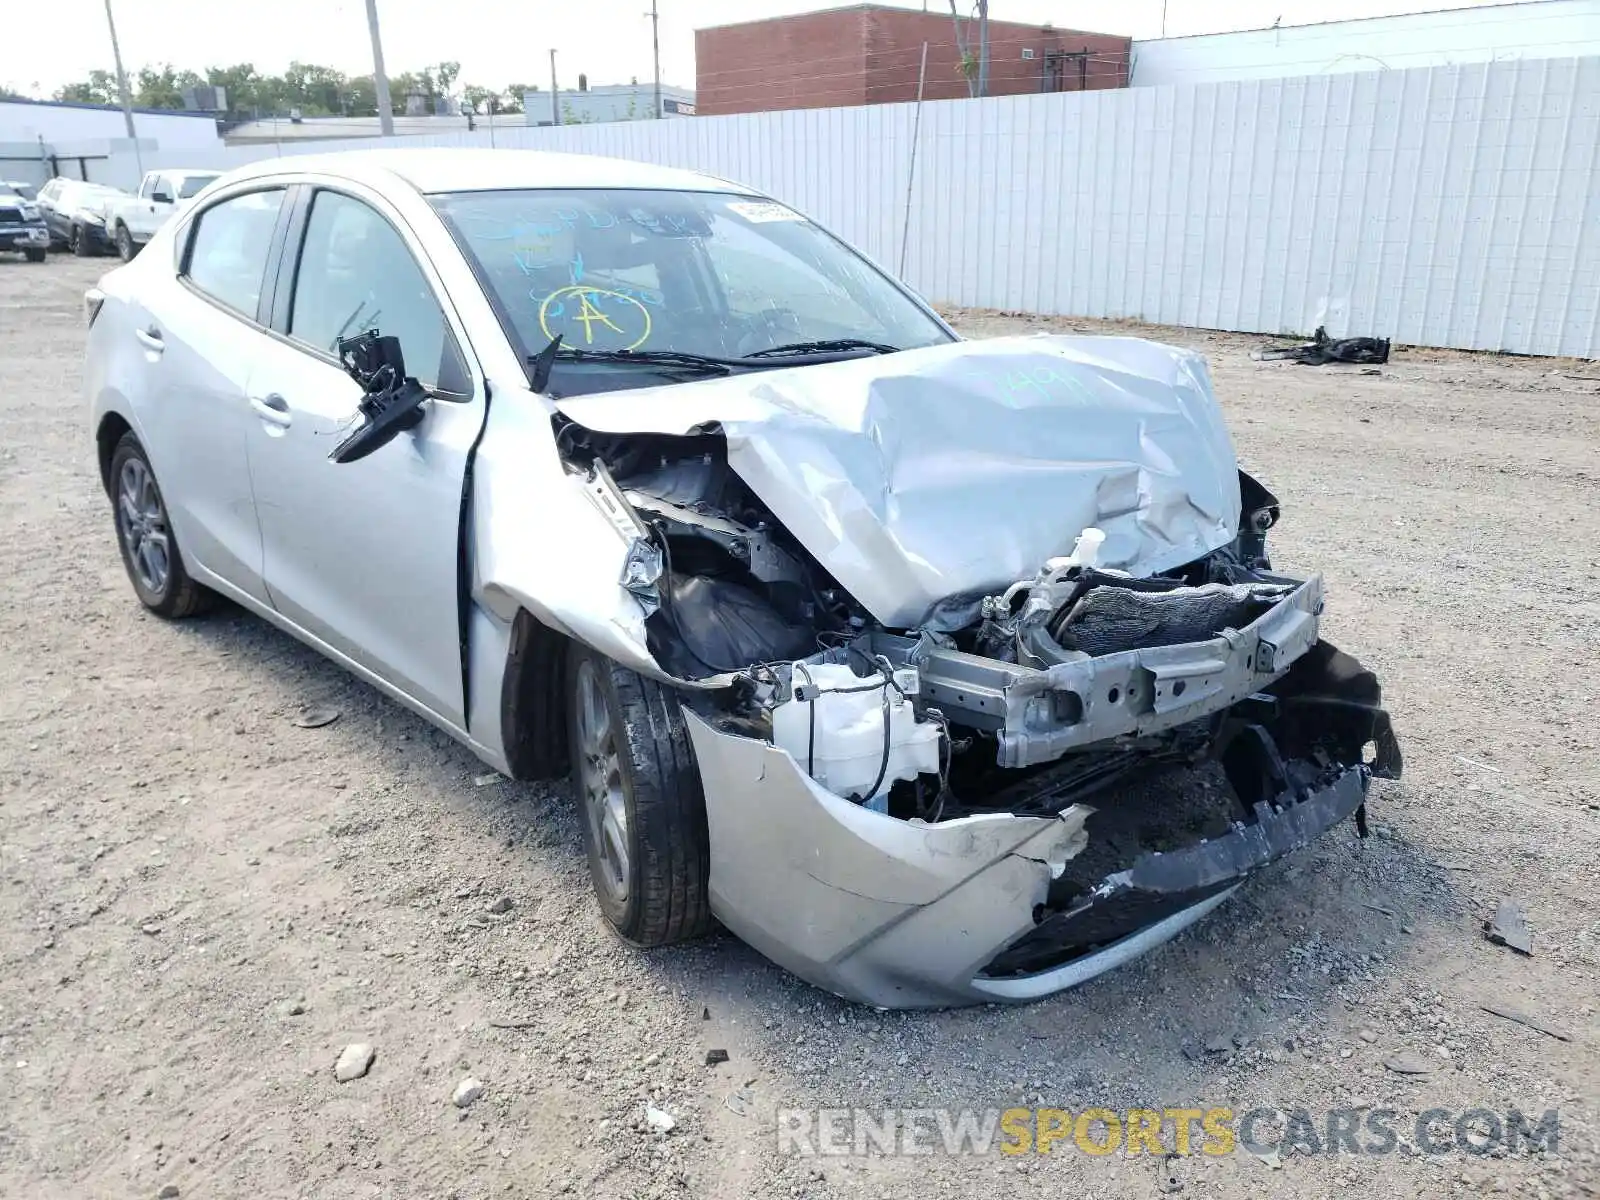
(677, 359)
(825, 346)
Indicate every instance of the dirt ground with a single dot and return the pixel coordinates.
(202, 904)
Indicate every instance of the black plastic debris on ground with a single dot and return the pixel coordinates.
(1509, 927)
(1323, 349)
(714, 1057)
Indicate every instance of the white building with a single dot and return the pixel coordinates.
(41, 138)
(611, 102)
(1494, 33)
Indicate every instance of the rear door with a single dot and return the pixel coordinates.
(364, 556)
(198, 322)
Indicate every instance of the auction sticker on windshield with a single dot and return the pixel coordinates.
(758, 211)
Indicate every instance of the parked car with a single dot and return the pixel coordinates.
(133, 221)
(76, 214)
(22, 226)
(836, 620)
(18, 189)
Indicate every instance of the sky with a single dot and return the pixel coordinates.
(499, 42)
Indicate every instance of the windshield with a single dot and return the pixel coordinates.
(190, 185)
(687, 273)
(17, 189)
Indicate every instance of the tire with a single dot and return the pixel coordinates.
(125, 247)
(144, 535)
(34, 255)
(81, 245)
(632, 760)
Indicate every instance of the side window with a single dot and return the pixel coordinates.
(356, 273)
(148, 186)
(229, 248)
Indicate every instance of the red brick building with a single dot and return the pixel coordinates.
(870, 54)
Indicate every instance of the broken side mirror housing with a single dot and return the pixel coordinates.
(392, 402)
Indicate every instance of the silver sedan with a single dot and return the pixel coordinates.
(837, 622)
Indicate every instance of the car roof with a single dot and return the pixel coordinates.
(451, 169)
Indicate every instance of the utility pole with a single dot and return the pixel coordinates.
(655, 47)
(983, 47)
(380, 80)
(555, 94)
(122, 89)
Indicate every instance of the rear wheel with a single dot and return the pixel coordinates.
(644, 815)
(125, 247)
(144, 535)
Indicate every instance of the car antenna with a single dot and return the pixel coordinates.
(543, 362)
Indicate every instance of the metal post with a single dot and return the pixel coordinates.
(122, 90)
(1163, 18)
(983, 47)
(380, 80)
(911, 175)
(655, 47)
(555, 94)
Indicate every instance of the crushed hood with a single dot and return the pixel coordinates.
(954, 470)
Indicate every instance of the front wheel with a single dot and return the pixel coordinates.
(81, 245)
(35, 255)
(145, 537)
(125, 247)
(644, 814)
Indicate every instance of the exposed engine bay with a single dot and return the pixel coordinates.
(1025, 700)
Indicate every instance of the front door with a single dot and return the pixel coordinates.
(364, 555)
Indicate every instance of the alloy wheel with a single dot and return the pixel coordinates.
(142, 524)
(600, 780)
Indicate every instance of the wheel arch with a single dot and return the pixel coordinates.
(533, 716)
(113, 425)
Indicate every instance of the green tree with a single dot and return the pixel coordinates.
(481, 99)
(99, 88)
(362, 97)
(248, 91)
(161, 86)
(513, 96)
(314, 90)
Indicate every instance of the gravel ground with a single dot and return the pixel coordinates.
(202, 904)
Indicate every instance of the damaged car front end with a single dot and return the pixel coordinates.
(934, 615)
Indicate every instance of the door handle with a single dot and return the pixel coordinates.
(150, 339)
(272, 408)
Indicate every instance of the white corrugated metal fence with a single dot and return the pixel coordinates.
(1445, 206)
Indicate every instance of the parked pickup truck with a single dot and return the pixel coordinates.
(133, 222)
(22, 227)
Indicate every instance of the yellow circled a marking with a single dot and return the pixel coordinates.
(589, 314)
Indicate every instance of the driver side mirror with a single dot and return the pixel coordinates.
(392, 402)
(160, 197)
